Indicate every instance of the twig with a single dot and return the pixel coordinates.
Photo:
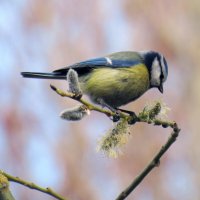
(147, 116)
(109, 113)
(5, 193)
(90, 106)
(154, 163)
(81, 100)
(47, 190)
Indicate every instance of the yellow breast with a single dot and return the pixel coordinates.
(116, 86)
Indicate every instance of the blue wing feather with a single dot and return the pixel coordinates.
(88, 65)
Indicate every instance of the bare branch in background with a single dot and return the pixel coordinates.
(5, 193)
(32, 186)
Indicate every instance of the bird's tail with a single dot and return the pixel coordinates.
(43, 75)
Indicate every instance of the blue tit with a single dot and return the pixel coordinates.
(116, 79)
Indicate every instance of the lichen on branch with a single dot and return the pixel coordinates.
(154, 113)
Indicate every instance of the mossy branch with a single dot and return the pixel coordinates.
(81, 100)
(154, 163)
(144, 116)
(115, 138)
(31, 185)
(5, 193)
(148, 115)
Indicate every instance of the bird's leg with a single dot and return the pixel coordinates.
(116, 116)
(126, 111)
(133, 116)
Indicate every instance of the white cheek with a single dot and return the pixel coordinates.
(155, 73)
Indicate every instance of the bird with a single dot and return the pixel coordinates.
(116, 79)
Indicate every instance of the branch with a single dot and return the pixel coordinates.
(90, 106)
(154, 163)
(148, 115)
(5, 193)
(81, 100)
(30, 185)
(144, 116)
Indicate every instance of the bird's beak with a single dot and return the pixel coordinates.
(161, 88)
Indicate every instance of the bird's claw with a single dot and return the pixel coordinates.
(132, 118)
(116, 117)
(77, 96)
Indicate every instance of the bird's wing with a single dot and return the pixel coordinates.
(88, 65)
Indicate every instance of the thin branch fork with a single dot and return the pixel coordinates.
(34, 186)
(154, 163)
(140, 118)
(157, 122)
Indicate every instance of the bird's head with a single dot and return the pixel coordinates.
(158, 69)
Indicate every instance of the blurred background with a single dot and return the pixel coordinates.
(38, 146)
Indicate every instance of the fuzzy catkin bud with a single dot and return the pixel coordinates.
(72, 78)
(155, 111)
(74, 114)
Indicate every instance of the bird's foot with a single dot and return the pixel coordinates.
(77, 96)
(132, 119)
(116, 116)
(132, 116)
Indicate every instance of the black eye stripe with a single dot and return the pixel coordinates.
(161, 67)
(165, 63)
(161, 76)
